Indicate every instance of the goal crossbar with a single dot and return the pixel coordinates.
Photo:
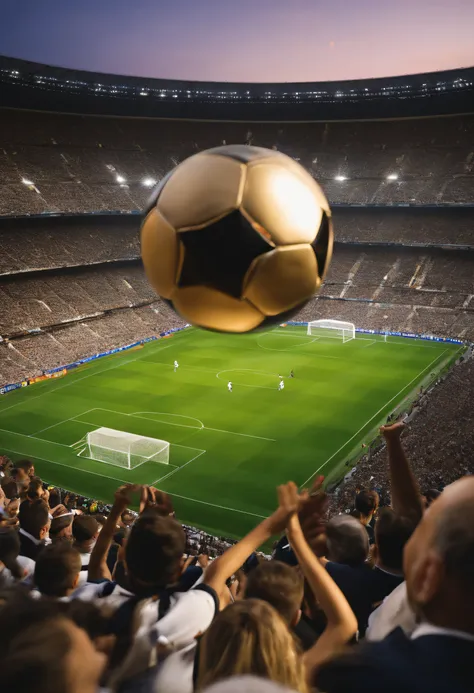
(336, 329)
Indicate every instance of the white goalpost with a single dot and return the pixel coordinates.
(124, 449)
(334, 329)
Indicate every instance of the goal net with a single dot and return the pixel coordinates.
(335, 329)
(125, 449)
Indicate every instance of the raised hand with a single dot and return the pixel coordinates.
(393, 431)
(290, 502)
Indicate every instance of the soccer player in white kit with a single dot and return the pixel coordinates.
(176, 366)
(281, 385)
(229, 386)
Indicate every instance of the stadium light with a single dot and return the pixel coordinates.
(143, 93)
(25, 181)
(340, 178)
(149, 182)
(120, 179)
(392, 176)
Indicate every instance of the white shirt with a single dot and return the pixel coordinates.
(394, 612)
(430, 629)
(190, 614)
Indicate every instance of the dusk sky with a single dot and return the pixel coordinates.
(242, 40)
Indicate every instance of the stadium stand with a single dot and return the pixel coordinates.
(75, 164)
(84, 610)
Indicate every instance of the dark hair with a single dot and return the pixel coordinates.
(392, 532)
(54, 497)
(366, 502)
(154, 550)
(56, 568)
(25, 465)
(347, 540)
(431, 495)
(34, 644)
(84, 528)
(33, 517)
(9, 550)
(10, 487)
(279, 585)
(60, 523)
(35, 488)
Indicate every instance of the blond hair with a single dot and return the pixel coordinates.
(250, 637)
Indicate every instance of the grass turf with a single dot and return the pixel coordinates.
(228, 450)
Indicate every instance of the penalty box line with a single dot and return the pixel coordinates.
(202, 427)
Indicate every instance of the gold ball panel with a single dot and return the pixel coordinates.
(282, 279)
(284, 203)
(200, 190)
(160, 249)
(214, 310)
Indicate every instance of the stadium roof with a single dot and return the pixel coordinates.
(33, 85)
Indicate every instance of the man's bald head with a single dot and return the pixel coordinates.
(439, 559)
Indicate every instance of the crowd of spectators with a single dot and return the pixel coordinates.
(439, 441)
(80, 164)
(99, 596)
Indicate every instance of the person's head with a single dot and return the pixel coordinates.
(54, 497)
(279, 585)
(9, 550)
(10, 487)
(154, 551)
(27, 466)
(57, 570)
(127, 518)
(43, 650)
(22, 479)
(439, 559)
(250, 637)
(61, 528)
(35, 489)
(85, 530)
(347, 540)
(34, 519)
(366, 503)
(391, 534)
(431, 495)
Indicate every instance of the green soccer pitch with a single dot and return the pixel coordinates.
(228, 450)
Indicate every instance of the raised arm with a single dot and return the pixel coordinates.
(341, 622)
(406, 498)
(98, 568)
(229, 563)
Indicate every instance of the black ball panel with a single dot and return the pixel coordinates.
(219, 255)
(323, 244)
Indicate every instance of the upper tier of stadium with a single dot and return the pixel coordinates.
(27, 84)
(65, 163)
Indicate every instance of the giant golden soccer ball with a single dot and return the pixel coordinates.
(237, 237)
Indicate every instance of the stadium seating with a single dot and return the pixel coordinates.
(83, 164)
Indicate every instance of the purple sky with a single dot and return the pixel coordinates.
(242, 40)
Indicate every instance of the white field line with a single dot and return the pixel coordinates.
(61, 464)
(77, 380)
(196, 428)
(90, 423)
(430, 365)
(214, 505)
(58, 423)
(178, 469)
(371, 341)
(165, 413)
